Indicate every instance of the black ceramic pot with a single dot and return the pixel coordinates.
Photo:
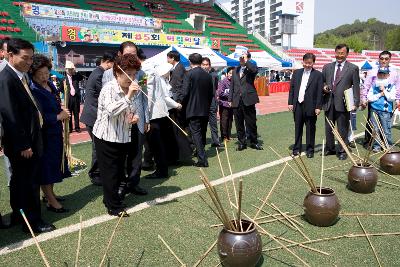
(239, 249)
(362, 179)
(390, 163)
(321, 209)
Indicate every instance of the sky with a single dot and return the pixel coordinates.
(349, 10)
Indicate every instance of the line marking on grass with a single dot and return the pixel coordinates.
(105, 218)
(144, 205)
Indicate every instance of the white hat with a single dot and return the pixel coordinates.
(69, 65)
(53, 76)
(163, 69)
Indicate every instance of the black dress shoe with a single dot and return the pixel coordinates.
(118, 212)
(256, 147)
(156, 175)
(310, 155)
(4, 225)
(329, 152)
(352, 144)
(59, 210)
(295, 153)
(78, 130)
(96, 180)
(216, 145)
(59, 199)
(148, 166)
(39, 227)
(241, 147)
(342, 156)
(137, 190)
(201, 164)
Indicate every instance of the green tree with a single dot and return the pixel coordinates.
(393, 39)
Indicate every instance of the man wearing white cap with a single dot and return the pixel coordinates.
(71, 84)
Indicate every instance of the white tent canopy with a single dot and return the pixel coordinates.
(217, 61)
(263, 60)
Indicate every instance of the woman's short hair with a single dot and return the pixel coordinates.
(126, 62)
(40, 61)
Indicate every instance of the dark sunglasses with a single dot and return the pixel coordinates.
(384, 58)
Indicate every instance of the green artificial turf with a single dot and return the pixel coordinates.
(185, 222)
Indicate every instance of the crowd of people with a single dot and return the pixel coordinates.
(143, 117)
(128, 105)
(312, 91)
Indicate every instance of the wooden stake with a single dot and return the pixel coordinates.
(322, 166)
(240, 204)
(369, 241)
(281, 220)
(111, 238)
(355, 143)
(205, 254)
(382, 132)
(290, 221)
(303, 246)
(267, 197)
(154, 103)
(387, 174)
(274, 220)
(337, 166)
(225, 183)
(384, 182)
(230, 171)
(369, 214)
(46, 262)
(211, 208)
(79, 241)
(334, 238)
(293, 169)
(340, 140)
(172, 252)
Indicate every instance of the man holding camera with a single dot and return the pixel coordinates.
(243, 98)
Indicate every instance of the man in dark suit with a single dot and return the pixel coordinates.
(305, 100)
(243, 97)
(72, 80)
(22, 138)
(339, 76)
(212, 117)
(181, 149)
(89, 113)
(176, 75)
(197, 95)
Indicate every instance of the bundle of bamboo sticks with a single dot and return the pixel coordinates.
(304, 171)
(219, 210)
(67, 148)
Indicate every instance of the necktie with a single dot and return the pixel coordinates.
(72, 89)
(25, 83)
(337, 75)
(303, 85)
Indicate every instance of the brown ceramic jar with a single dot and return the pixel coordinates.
(390, 163)
(321, 209)
(362, 179)
(239, 249)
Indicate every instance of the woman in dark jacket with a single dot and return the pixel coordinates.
(225, 110)
(53, 114)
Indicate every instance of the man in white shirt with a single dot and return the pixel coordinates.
(305, 100)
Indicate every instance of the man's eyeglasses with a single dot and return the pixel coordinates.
(385, 58)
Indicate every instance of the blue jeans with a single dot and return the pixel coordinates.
(385, 119)
(353, 118)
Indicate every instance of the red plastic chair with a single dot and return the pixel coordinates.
(10, 29)
(17, 29)
(5, 13)
(10, 21)
(2, 28)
